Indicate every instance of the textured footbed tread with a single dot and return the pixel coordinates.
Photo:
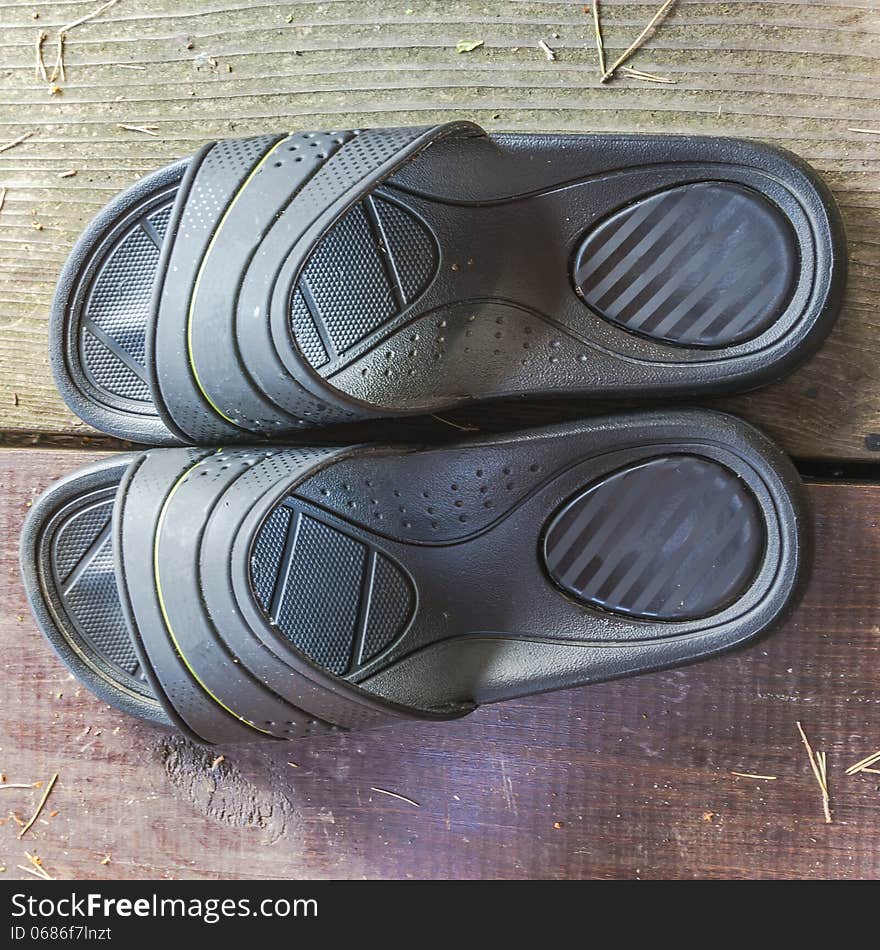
(337, 599)
(113, 324)
(80, 550)
(673, 538)
(707, 264)
(368, 269)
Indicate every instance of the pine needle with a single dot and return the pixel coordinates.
(144, 129)
(39, 65)
(14, 784)
(862, 766)
(762, 778)
(646, 77)
(38, 864)
(36, 814)
(402, 798)
(820, 771)
(41, 873)
(3, 192)
(58, 71)
(58, 68)
(600, 45)
(866, 131)
(89, 16)
(639, 40)
(455, 425)
(14, 142)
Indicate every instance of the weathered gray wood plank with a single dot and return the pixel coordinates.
(799, 74)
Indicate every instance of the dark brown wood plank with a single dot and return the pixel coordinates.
(799, 73)
(636, 773)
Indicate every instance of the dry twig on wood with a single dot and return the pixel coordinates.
(549, 54)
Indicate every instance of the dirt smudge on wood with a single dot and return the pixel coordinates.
(243, 792)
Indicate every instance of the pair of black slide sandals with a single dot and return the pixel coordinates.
(272, 284)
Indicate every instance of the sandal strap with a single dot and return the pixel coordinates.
(185, 525)
(248, 215)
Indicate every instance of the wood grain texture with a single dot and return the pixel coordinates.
(624, 779)
(799, 74)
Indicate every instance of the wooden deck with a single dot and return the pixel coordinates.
(623, 779)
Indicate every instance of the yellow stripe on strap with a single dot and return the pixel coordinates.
(164, 611)
(192, 300)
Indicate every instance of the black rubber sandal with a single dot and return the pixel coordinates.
(284, 281)
(275, 592)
